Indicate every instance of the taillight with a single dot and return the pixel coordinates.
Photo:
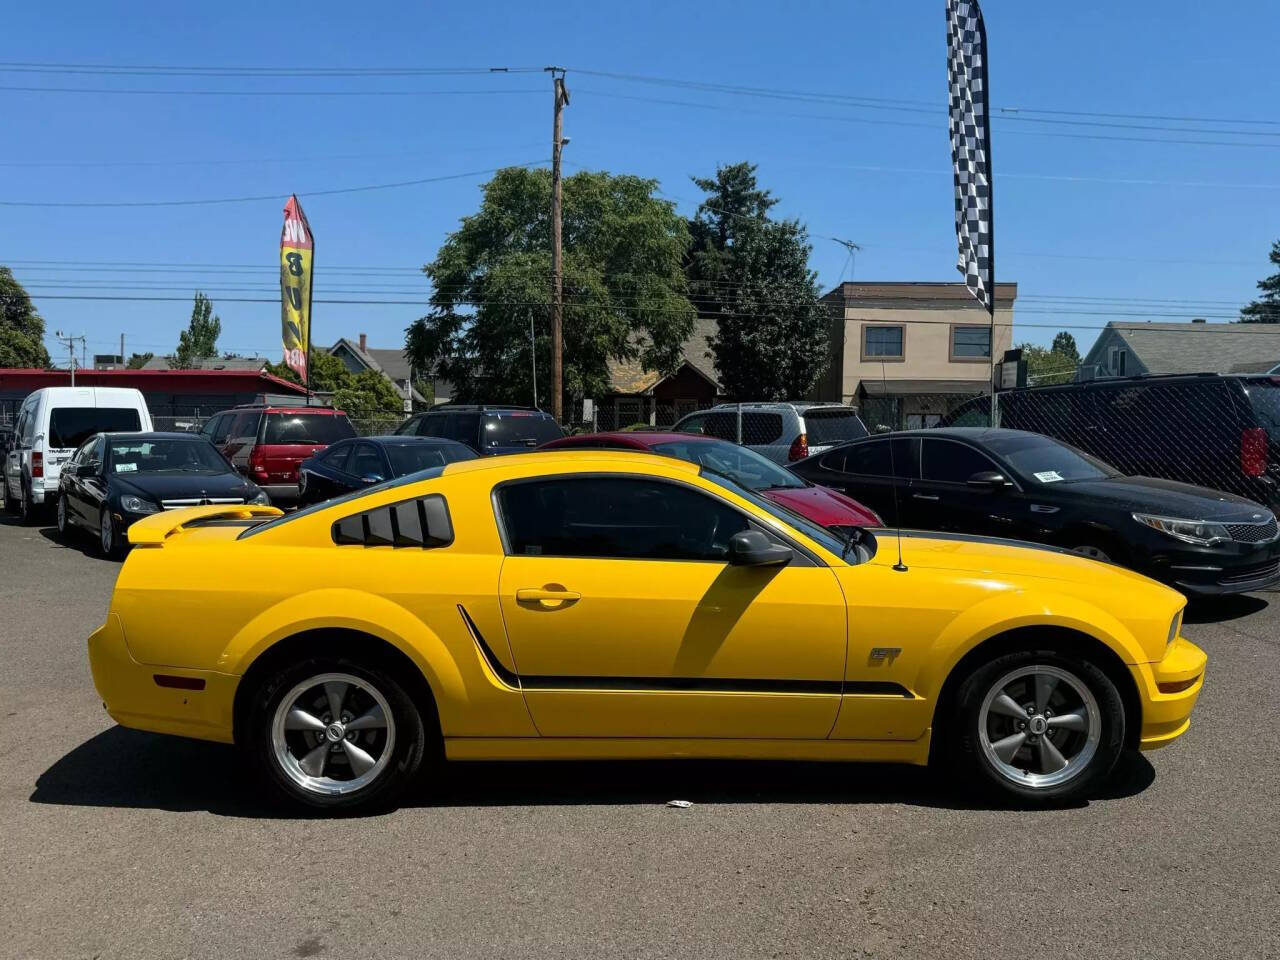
(799, 448)
(258, 461)
(1253, 451)
(37, 464)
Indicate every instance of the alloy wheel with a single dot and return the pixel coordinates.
(333, 734)
(1039, 726)
(1093, 553)
(107, 533)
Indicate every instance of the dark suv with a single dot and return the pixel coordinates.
(266, 443)
(488, 430)
(1217, 431)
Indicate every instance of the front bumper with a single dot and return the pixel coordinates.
(1169, 689)
(1222, 569)
(133, 697)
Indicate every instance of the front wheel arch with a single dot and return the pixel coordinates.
(353, 644)
(1063, 640)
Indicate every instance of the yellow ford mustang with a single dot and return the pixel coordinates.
(599, 604)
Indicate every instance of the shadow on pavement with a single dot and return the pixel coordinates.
(1221, 609)
(128, 768)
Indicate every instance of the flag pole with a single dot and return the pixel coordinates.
(306, 346)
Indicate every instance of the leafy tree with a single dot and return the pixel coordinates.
(138, 360)
(363, 396)
(624, 289)
(1266, 309)
(200, 339)
(751, 274)
(1064, 344)
(1045, 365)
(21, 328)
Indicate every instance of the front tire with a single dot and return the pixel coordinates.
(334, 734)
(1039, 725)
(61, 511)
(110, 540)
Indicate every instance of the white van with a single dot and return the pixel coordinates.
(52, 422)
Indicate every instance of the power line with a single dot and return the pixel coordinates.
(269, 196)
(135, 91)
(252, 71)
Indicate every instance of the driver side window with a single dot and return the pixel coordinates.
(617, 518)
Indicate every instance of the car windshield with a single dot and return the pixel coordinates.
(519, 429)
(821, 535)
(164, 456)
(1043, 460)
(743, 466)
(412, 457)
(315, 428)
(71, 426)
(832, 426)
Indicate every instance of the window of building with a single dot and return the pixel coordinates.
(970, 343)
(883, 341)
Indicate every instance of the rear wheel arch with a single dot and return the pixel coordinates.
(1063, 640)
(351, 644)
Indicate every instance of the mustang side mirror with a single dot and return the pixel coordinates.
(751, 548)
(372, 478)
(988, 479)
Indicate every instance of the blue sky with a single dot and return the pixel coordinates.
(1090, 228)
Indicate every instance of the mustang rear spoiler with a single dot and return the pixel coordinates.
(157, 528)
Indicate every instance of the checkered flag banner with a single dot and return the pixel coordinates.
(971, 147)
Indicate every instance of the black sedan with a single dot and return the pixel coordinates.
(363, 461)
(1024, 486)
(114, 479)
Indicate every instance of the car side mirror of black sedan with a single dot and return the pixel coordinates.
(87, 470)
(751, 548)
(371, 478)
(988, 480)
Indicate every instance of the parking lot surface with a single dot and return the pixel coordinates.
(119, 844)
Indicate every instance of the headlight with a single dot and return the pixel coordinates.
(261, 499)
(132, 504)
(1200, 532)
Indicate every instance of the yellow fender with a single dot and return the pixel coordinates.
(1010, 611)
(331, 609)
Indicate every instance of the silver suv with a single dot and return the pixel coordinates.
(783, 432)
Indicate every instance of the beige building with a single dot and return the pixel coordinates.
(907, 353)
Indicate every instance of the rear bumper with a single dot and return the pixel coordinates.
(281, 492)
(134, 699)
(1169, 689)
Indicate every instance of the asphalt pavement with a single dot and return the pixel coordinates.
(118, 844)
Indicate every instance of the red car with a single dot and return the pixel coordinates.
(266, 443)
(745, 467)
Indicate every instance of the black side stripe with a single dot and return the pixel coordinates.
(864, 688)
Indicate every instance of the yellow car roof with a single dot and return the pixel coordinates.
(545, 460)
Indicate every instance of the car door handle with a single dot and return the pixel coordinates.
(924, 496)
(541, 595)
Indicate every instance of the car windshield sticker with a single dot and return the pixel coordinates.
(126, 467)
(1048, 476)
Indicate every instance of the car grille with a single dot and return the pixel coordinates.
(1248, 574)
(198, 502)
(1253, 532)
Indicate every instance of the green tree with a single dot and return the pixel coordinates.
(362, 396)
(624, 288)
(1045, 365)
(21, 328)
(1064, 344)
(200, 339)
(1266, 308)
(138, 360)
(751, 274)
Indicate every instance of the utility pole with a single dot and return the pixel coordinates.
(123, 365)
(70, 343)
(533, 357)
(557, 278)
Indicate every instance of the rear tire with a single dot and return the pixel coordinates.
(26, 509)
(61, 511)
(110, 540)
(1039, 726)
(334, 734)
